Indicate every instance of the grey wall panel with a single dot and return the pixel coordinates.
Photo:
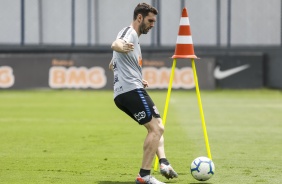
(10, 22)
(202, 19)
(202, 16)
(253, 22)
(169, 21)
(113, 16)
(256, 22)
(57, 22)
(31, 22)
(81, 22)
(223, 23)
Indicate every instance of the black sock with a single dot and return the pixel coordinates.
(144, 172)
(164, 161)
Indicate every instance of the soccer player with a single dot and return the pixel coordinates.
(130, 95)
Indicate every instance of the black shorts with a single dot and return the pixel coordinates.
(138, 105)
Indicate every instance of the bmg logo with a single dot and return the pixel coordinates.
(7, 78)
(140, 115)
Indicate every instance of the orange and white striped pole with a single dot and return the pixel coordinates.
(185, 49)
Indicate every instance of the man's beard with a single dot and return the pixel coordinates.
(142, 28)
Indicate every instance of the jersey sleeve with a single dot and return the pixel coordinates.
(126, 34)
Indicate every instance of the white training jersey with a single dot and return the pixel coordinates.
(127, 67)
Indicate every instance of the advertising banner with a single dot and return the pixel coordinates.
(239, 71)
(90, 71)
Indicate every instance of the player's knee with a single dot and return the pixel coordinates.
(160, 126)
(155, 126)
(159, 131)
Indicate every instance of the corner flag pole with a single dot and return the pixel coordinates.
(166, 104)
(201, 109)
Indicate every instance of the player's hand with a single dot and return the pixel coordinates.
(120, 45)
(111, 67)
(145, 83)
(127, 47)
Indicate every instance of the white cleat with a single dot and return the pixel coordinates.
(168, 172)
(147, 180)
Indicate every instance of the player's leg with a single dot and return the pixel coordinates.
(152, 122)
(165, 167)
(160, 150)
(139, 106)
(155, 131)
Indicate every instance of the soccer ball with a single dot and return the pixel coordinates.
(202, 168)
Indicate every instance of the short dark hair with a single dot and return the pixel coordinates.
(144, 9)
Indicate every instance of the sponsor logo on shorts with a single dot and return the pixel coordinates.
(140, 115)
(156, 110)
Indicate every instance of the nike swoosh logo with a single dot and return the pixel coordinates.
(218, 74)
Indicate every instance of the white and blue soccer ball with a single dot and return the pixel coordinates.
(202, 168)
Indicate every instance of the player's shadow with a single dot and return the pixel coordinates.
(129, 182)
(116, 182)
(125, 182)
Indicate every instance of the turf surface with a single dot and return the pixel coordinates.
(81, 137)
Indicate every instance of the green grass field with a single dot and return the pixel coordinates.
(81, 137)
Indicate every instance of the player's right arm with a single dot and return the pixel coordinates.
(120, 45)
